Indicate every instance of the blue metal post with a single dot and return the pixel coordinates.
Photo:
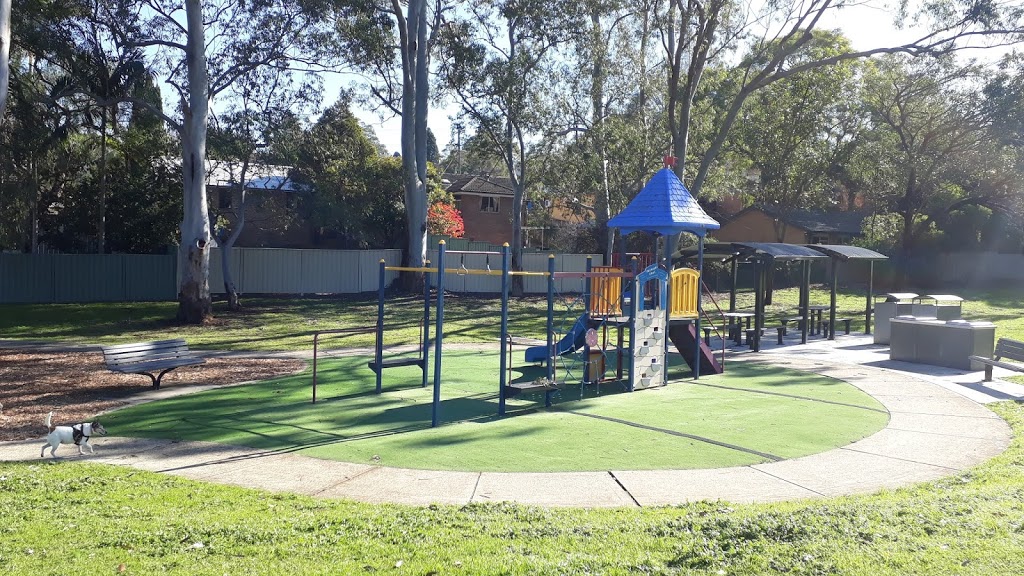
(504, 329)
(425, 352)
(700, 308)
(551, 316)
(588, 284)
(637, 294)
(439, 336)
(378, 350)
(551, 324)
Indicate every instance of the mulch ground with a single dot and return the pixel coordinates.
(76, 386)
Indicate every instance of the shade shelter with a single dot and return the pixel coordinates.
(764, 255)
(664, 206)
(842, 253)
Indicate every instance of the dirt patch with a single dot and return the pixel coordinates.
(76, 385)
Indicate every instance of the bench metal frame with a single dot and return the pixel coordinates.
(1005, 348)
(153, 359)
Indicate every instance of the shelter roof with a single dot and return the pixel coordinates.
(664, 206)
(776, 250)
(845, 253)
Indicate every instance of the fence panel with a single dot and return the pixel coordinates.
(149, 277)
(369, 268)
(270, 271)
(26, 278)
(88, 278)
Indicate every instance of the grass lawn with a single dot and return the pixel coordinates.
(803, 414)
(136, 522)
(288, 323)
(270, 323)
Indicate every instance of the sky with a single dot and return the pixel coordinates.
(867, 26)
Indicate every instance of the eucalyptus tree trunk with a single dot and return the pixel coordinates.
(5, 54)
(598, 74)
(230, 288)
(194, 304)
(101, 241)
(415, 95)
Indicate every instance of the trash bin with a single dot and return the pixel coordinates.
(894, 304)
(947, 306)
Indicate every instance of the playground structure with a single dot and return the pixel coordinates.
(671, 313)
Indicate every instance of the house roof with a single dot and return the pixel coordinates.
(477, 184)
(225, 173)
(816, 220)
(664, 206)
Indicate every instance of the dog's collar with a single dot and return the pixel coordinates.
(78, 433)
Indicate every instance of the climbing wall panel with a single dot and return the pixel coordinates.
(649, 349)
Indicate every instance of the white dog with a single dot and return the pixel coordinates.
(78, 434)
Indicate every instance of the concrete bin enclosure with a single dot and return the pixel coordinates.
(898, 304)
(947, 343)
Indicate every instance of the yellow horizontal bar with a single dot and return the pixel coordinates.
(462, 272)
(472, 272)
(408, 269)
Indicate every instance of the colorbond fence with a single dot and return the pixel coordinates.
(285, 271)
(47, 278)
(532, 262)
(44, 278)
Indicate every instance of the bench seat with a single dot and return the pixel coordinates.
(153, 359)
(846, 326)
(1005, 348)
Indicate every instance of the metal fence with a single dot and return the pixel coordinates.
(532, 262)
(45, 278)
(50, 278)
(286, 271)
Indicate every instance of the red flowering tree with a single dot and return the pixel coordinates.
(445, 220)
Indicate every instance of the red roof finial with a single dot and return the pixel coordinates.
(670, 161)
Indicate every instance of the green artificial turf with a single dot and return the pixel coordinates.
(678, 426)
(74, 517)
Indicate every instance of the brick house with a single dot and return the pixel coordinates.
(272, 217)
(486, 206)
(769, 224)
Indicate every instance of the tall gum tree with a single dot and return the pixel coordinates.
(5, 55)
(392, 42)
(697, 34)
(202, 49)
(495, 64)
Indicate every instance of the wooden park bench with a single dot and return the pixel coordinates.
(1005, 348)
(153, 359)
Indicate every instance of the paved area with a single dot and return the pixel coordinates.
(938, 426)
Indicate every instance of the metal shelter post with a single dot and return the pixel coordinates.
(758, 301)
(871, 289)
(832, 300)
(805, 308)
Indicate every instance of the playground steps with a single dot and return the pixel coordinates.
(684, 337)
(395, 363)
(517, 388)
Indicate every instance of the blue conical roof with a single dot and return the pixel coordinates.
(664, 206)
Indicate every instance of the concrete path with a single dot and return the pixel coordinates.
(937, 427)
